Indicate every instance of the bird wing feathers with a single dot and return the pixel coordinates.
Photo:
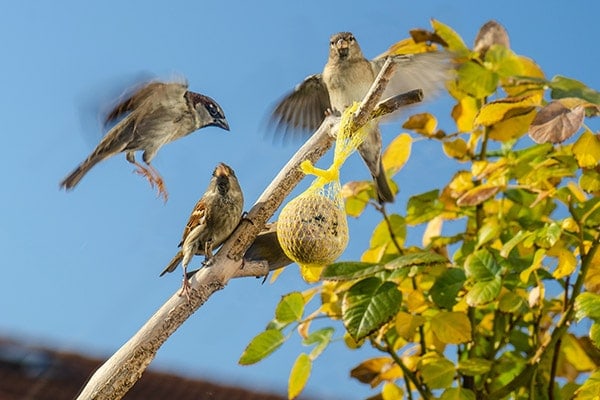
(426, 71)
(136, 98)
(303, 110)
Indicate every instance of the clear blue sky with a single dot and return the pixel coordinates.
(80, 269)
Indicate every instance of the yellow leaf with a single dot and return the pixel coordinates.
(299, 375)
(517, 87)
(591, 109)
(396, 154)
(461, 182)
(451, 327)
(537, 261)
(407, 324)
(587, 150)
(496, 111)
(456, 149)
(454, 41)
(416, 302)
(592, 279)
(433, 229)
(566, 261)
(423, 123)
(375, 370)
(275, 275)
(464, 113)
(311, 273)
(373, 254)
(513, 127)
(391, 392)
(575, 354)
(408, 46)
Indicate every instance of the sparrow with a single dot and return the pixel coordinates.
(213, 219)
(346, 78)
(153, 115)
(266, 247)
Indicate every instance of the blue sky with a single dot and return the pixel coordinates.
(80, 269)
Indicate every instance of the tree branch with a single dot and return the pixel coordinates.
(118, 374)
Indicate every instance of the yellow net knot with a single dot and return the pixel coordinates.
(312, 228)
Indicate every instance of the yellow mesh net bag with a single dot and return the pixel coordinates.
(312, 228)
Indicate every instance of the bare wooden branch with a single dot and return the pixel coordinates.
(118, 374)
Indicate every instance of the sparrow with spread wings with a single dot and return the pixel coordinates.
(155, 114)
(346, 78)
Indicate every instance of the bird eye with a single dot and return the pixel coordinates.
(213, 110)
(351, 38)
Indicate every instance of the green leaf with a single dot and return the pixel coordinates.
(458, 394)
(343, 271)
(451, 327)
(566, 87)
(321, 338)
(511, 302)
(369, 304)
(587, 305)
(474, 366)
(548, 235)
(590, 388)
(299, 375)
(590, 181)
(489, 231)
(423, 207)
(476, 80)
(503, 61)
(484, 291)
(381, 234)
(515, 240)
(595, 334)
(261, 346)
(290, 308)
(446, 287)
(419, 259)
(438, 373)
(481, 265)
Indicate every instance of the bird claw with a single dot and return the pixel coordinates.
(154, 179)
(185, 289)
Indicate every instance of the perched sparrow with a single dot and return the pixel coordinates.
(266, 247)
(154, 115)
(347, 77)
(213, 219)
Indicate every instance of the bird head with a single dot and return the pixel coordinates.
(222, 174)
(209, 111)
(344, 46)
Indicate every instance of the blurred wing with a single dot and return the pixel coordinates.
(426, 71)
(134, 98)
(303, 110)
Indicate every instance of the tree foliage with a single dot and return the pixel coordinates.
(485, 307)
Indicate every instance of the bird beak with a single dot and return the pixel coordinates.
(221, 170)
(221, 123)
(342, 47)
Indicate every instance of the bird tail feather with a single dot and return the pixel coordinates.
(173, 263)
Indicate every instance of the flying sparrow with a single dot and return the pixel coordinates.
(154, 115)
(213, 219)
(346, 78)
